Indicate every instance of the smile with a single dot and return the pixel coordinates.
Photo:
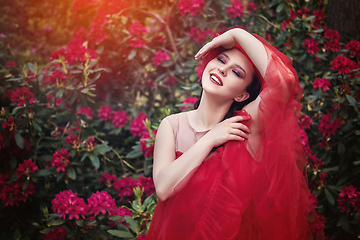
(216, 79)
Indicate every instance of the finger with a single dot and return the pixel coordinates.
(239, 118)
(236, 138)
(239, 133)
(241, 126)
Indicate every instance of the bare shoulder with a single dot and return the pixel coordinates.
(252, 109)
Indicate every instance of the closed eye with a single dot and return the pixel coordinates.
(238, 73)
(221, 59)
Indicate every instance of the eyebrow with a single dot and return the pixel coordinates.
(235, 64)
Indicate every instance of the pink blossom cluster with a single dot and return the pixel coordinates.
(145, 146)
(251, 7)
(236, 9)
(334, 40)
(304, 12)
(188, 100)
(354, 46)
(200, 35)
(137, 126)
(87, 111)
(26, 169)
(160, 56)
(105, 113)
(314, 162)
(21, 96)
(108, 179)
(102, 202)
(317, 227)
(349, 198)
(11, 64)
(11, 194)
(74, 141)
(124, 186)
(322, 180)
(10, 124)
(193, 7)
(57, 78)
(311, 45)
(313, 200)
(58, 233)
(90, 144)
(327, 128)
(305, 122)
(120, 118)
(319, 20)
(60, 160)
(137, 32)
(68, 203)
(321, 83)
(343, 64)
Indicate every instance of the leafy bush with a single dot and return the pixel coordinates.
(77, 133)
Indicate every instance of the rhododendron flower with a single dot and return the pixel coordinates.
(159, 57)
(200, 35)
(305, 122)
(313, 200)
(21, 96)
(124, 187)
(171, 80)
(11, 64)
(74, 141)
(101, 202)
(325, 144)
(57, 77)
(191, 6)
(311, 45)
(57, 54)
(137, 126)
(10, 125)
(286, 24)
(58, 233)
(60, 160)
(304, 12)
(147, 184)
(12, 194)
(107, 179)
(26, 168)
(90, 144)
(315, 163)
(321, 182)
(97, 33)
(251, 7)
(236, 9)
(77, 51)
(86, 111)
(348, 198)
(120, 118)
(68, 203)
(146, 148)
(354, 46)
(105, 113)
(322, 83)
(319, 19)
(327, 128)
(188, 100)
(137, 32)
(334, 43)
(343, 65)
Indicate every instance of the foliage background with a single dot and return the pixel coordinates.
(78, 79)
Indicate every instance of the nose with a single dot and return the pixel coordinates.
(222, 71)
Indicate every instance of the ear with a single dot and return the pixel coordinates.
(242, 97)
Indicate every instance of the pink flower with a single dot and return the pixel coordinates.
(319, 18)
(147, 148)
(188, 100)
(67, 203)
(11, 64)
(327, 128)
(60, 160)
(147, 183)
(251, 7)
(74, 141)
(77, 51)
(13, 193)
(159, 57)
(171, 80)
(321, 182)
(10, 125)
(57, 54)
(57, 77)
(100, 202)
(313, 200)
(322, 83)
(137, 32)
(236, 9)
(325, 144)
(27, 168)
(120, 118)
(90, 144)
(137, 126)
(305, 122)
(22, 96)
(333, 44)
(191, 6)
(200, 35)
(348, 198)
(315, 163)
(86, 111)
(354, 46)
(304, 12)
(105, 113)
(311, 45)
(124, 187)
(286, 24)
(292, 13)
(107, 179)
(343, 65)
(58, 233)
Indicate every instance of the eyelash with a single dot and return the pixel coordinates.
(220, 59)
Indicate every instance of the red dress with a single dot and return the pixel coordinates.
(233, 195)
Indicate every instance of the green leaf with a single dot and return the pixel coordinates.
(60, 93)
(71, 173)
(17, 235)
(122, 234)
(132, 54)
(334, 115)
(342, 220)
(26, 184)
(32, 67)
(136, 152)
(280, 7)
(56, 222)
(341, 149)
(19, 140)
(329, 197)
(15, 110)
(352, 101)
(95, 161)
(101, 149)
(131, 222)
(37, 126)
(43, 172)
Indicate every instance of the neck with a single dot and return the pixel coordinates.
(210, 111)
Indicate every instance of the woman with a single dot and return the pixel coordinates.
(253, 185)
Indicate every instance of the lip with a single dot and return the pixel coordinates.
(217, 76)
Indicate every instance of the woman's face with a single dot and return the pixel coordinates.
(228, 75)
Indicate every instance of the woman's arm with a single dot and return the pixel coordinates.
(168, 172)
(252, 46)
